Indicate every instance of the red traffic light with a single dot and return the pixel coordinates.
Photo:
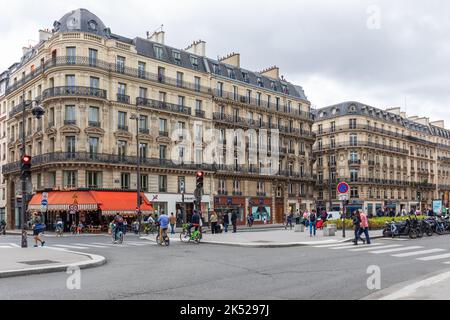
(26, 159)
(200, 174)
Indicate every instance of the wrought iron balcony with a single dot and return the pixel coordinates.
(144, 130)
(354, 162)
(74, 91)
(222, 192)
(161, 105)
(95, 124)
(122, 127)
(70, 122)
(123, 98)
(163, 134)
(200, 113)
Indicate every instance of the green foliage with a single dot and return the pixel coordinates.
(374, 223)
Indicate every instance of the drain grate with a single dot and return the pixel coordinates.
(38, 262)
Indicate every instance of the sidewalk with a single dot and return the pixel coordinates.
(27, 261)
(272, 238)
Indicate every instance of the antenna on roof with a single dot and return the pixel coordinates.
(160, 29)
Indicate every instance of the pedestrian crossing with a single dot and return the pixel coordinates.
(418, 253)
(82, 246)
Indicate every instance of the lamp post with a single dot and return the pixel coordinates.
(37, 111)
(138, 171)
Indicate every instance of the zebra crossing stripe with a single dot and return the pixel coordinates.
(5, 247)
(370, 247)
(432, 258)
(332, 245)
(348, 246)
(396, 250)
(69, 247)
(89, 245)
(15, 245)
(103, 244)
(417, 253)
(137, 243)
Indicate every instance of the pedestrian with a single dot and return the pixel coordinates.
(173, 221)
(38, 229)
(234, 221)
(364, 226)
(250, 219)
(312, 223)
(264, 218)
(357, 225)
(214, 219)
(179, 216)
(305, 218)
(226, 221)
(289, 218)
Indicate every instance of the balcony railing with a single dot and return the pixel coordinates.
(200, 113)
(74, 91)
(161, 105)
(86, 157)
(123, 98)
(70, 122)
(362, 144)
(81, 61)
(163, 134)
(122, 127)
(354, 162)
(222, 192)
(144, 130)
(95, 124)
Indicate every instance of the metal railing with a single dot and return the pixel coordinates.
(161, 105)
(362, 144)
(74, 91)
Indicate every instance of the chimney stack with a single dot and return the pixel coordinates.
(272, 72)
(439, 124)
(233, 59)
(26, 50)
(198, 48)
(158, 36)
(44, 35)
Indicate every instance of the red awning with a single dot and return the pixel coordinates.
(112, 202)
(61, 200)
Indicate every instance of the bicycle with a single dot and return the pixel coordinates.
(165, 240)
(117, 239)
(59, 232)
(187, 236)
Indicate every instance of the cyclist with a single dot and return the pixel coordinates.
(59, 225)
(118, 225)
(195, 222)
(163, 221)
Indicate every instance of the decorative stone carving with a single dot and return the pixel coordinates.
(70, 129)
(123, 135)
(94, 131)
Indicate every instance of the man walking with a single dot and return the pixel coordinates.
(364, 227)
(312, 223)
(173, 221)
(226, 221)
(357, 225)
(234, 221)
(3, 227)
(214, 219)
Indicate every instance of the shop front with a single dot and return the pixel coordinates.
(261, 208)
(93, 209)
(391, 207)
(227, 205)
(353, 206)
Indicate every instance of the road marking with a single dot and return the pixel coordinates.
(15, 245)
(137, 243)
(332, 245)
(348, 246)
(5, 247)
(69, 247)
(417, 253)
(432, 258)
(368, 248)
(103, 244)
(89, 245)
(396, 250)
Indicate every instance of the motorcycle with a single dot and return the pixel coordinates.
(409, 227)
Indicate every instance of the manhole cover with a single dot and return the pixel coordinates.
(38, 262)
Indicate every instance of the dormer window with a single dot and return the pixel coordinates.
(231, 73)
(176, 57)
(158, 52)
(352, 108)
(216, 69)
(245, 77)
(194, 62)
(260, 83)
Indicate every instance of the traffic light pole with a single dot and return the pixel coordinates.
(24, 243)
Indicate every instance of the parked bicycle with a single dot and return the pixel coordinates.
(164, 241)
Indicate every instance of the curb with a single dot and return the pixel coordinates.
(96, 261)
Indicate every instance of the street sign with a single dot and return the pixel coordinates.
(44, 202)
(73, 207)
(343, 197)
(45, 195)
(343, 188)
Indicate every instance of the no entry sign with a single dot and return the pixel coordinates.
(343, 188)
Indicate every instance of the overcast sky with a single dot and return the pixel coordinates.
(382, 53)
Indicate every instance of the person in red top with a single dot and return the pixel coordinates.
(364, 226)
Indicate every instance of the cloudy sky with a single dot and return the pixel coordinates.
(382, 53)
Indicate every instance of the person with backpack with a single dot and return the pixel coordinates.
(38, 229)
(312, 223)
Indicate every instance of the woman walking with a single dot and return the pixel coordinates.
(312, 223)
(357, 226)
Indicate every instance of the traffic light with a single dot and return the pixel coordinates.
(199, 180)
(419, 196)
(25, 166)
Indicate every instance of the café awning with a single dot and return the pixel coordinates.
(113, 202)
(61, 200)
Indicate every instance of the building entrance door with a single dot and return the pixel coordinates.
(279, 210)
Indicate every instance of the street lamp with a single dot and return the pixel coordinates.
(25, 169)
(138, 162)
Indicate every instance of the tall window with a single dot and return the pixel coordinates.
(143, 124)
(353, 139)
(70, 179)
(70, 80)
(162, 126)
(158, 52)
(194, 62)
(121, 148)
(93, 57)
(162, 183)
(94, 82)
(143, 150)
(122, 89)
(197, 84)
(176, 57)
(352, 123)
(220, 89)
(141, 69)
(144, 182)
(180, 76)
(93, 179)
(353, 175)
(120, 64)
(162, 152)
(70, 115)
(94, 116)
(93, 146)
(125, 180)
(122, 120)
(71, 53)
(142, 92)
(161, 74)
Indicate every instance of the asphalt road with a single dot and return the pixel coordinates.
(143, 270)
